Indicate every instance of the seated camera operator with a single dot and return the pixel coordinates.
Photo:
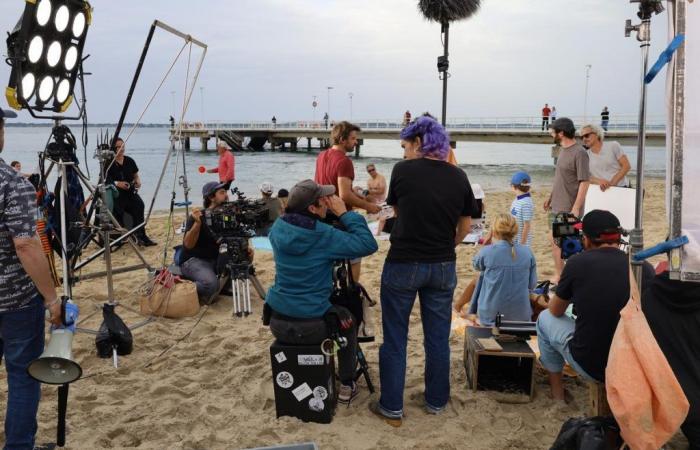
(305, 249)
(200, 248)
(596, 281)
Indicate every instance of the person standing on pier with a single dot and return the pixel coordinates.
(274, 122)
(227, 163)
(545, 116)
(325, 120)
(604, 118)
(333, 166)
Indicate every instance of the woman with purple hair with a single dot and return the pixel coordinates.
(433, 202)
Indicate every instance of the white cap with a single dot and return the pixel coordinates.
(478, 192)
(266, 188)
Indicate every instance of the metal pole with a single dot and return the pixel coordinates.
(637, 235)
(445, 74)
(328, 101)
(585, 95)
(64, 231)
(201, 94)
(350, 95)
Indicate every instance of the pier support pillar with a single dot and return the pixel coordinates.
(357, 147)
(204, 143)
(294, 145)
(555, 153)
(187, 143)
(308, 143)
(453, 144)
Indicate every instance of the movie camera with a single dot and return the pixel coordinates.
(242, 217)
(232, 224)
(568, 235)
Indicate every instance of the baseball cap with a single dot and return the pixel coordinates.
(564, 124)
(520, 178)
(213, 186)
(266, 188)
(7, 114)
(602, 225)
(305, 193)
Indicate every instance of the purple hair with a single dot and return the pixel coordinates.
(434, 138)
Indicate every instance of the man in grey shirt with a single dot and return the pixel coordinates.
(608, 163)
(570, 180)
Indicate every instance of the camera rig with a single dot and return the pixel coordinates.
(232, 224)
(568, 234)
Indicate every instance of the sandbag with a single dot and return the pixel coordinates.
(595, 433)
(169, 296)
(113, 334)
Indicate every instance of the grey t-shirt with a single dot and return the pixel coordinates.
(605, 164)
(572, 168)
(17, 220)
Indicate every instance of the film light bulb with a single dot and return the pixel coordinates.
(46, 89)
(71, 58)
(53, 56)
(36, 49)
(79, 25)
(43, 12)
(62, 18)
(28, 85)
(63, 91)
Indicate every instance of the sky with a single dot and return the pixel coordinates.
(271, 57)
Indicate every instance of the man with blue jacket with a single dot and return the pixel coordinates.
(305, 249)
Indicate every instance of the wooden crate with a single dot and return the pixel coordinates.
(510, 370)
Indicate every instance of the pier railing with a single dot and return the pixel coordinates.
(534, 123)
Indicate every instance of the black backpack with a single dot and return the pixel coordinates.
(588, 433)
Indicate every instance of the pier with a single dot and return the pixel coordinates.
(299, 135)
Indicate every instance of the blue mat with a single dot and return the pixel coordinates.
(262, 243)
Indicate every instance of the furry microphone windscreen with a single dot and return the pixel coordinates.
(448, 10)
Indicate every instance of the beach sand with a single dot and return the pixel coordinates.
(205, 382)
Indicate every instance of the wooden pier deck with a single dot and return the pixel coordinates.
(295, 136)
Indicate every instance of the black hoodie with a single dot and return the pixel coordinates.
(672, 309)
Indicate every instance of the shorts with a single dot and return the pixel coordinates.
(355, 261)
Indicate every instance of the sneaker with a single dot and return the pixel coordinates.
(347, 393)
(376, 410)
(429, 409)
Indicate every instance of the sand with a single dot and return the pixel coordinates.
(205, 382)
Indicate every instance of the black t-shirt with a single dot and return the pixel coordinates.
(430, 197)
(123, 172)
(597, 282)
(206, 246)
(672, 309)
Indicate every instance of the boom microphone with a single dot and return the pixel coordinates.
(443, 11)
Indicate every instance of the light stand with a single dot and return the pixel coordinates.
(647, 8)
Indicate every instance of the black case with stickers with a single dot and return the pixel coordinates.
(304, 382)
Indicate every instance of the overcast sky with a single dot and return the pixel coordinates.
(272, 56)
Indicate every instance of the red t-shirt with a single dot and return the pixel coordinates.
(332, 164)
(545, 112)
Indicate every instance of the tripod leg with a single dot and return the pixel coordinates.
(258, 286)
(233, 297)
(239, 293)
(363, 370)
(248, 309)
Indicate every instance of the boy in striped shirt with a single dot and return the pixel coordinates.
(522, 208)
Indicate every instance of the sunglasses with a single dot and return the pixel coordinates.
(371, 170)
(584, 136)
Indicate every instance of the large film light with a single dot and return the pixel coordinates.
(44, 50)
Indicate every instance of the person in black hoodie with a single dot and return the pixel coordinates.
(672, 309)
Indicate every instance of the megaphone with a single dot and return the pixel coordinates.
(56, 365)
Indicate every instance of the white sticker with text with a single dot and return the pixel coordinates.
(302, 391)
(310, 360)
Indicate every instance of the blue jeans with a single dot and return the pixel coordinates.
(22, 341)
(203, 273)
(435, 284)
(553, 336)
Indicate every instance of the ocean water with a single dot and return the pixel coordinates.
(489, 164)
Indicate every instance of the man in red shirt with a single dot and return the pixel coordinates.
(333, 166)
(545, 116)
(227, 163)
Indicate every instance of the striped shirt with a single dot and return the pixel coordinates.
(17, 220)
(523, 211)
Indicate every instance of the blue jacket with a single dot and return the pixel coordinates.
(304, 262)
(505, 283)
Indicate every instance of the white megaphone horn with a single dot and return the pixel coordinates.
(56, 365)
